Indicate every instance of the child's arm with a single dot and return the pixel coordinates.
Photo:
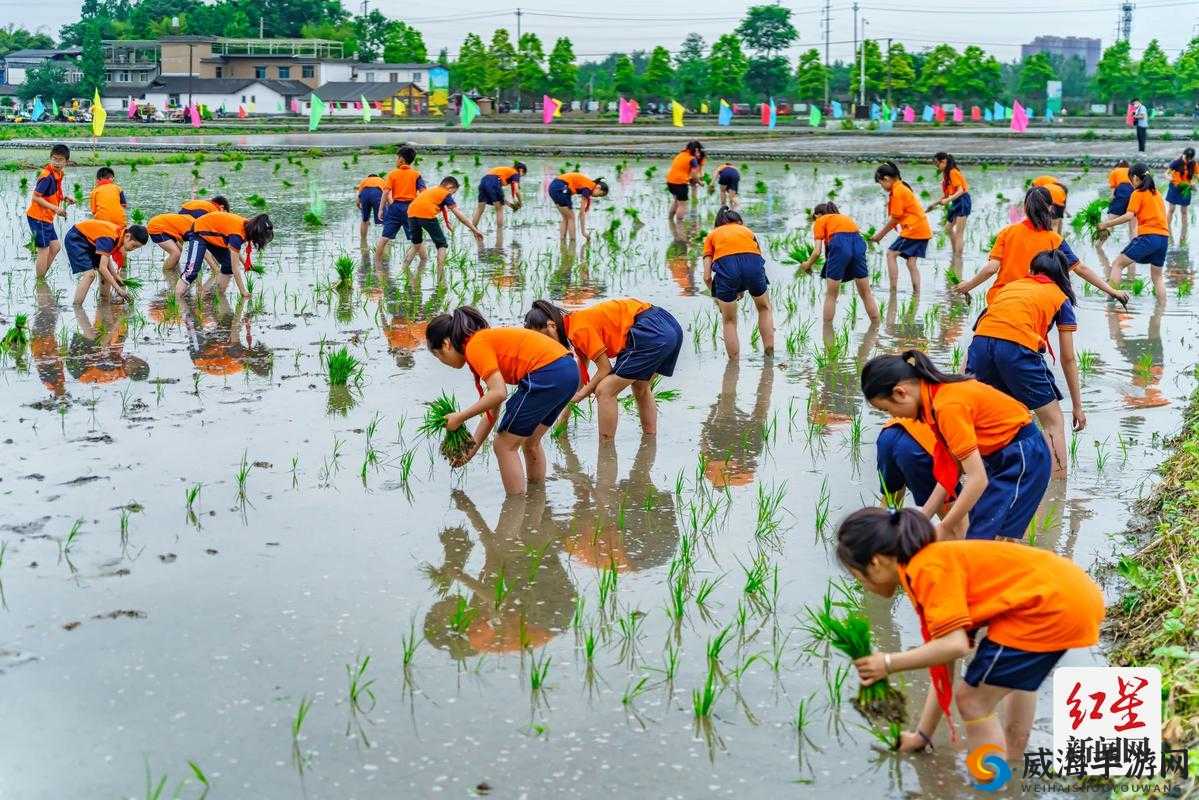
(465, 220)
(91, 202)
(1127, 216)
(603, 370)
(935, 501)
(974, 483)
(892, 224)
(942, 650)
(817, 249)
(583, 217)
(989, 270)
(107, 275)
(493, 398)
(1095, 279)
(239, 268)
(1070, 369)
(708, 271)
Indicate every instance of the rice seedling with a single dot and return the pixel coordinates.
(1086, 221)
(607, 585)
(1144, 366)
(406, 459)
(344, 266)
(756, 588)
(243, 473)
(589, 643)
(634, 690)
(703, 699)
(834, 683)
(502, 588)
(313, 219)
(770, 503)
(297, 725)
(64, 547)
(1073, 449)
(1184, 288)
(803, 715)
(409, 642)
(360, 690)
(201, 777)
(16, 338)
(1136, 286)
(822, 509)
(1101, 455)
(716, 646)
(703, 594)
(851, 636)
(461, 617)
(539, 671)
(341, 367)
(676, 602)
(1038, 525)
(1088, 360)
(454, 444)
(887, 736)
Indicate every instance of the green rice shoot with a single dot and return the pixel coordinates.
(16, 339)
(454, 443)
(342, 367)
(879, 702)
(1086, 222)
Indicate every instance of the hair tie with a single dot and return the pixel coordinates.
(895, 516)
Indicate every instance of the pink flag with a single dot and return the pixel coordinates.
(976, 114)
(295, 105)
(957, 114)
(938, 113)
(1129, 116)
(909, 114)
(547, 109)
(627, 111)
(1019, 117)
(132, 108)
(194, 113)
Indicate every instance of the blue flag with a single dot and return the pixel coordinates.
(927, 114)
(1007, 112)
(773, 113)
(998, 112)
(39, 109)
(837, 110)
(1048, 112)
(725, 117)
(874, 111)
(987, 116)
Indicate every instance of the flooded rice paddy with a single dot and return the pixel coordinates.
(204, 542)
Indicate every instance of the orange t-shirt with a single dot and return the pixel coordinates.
(428, 204)
(174, 225)
(1150, 211)
(505, 174)
(1057, 192)
(970, 415)
(826, 225)
(221, 229)
(1025, 310)
(680, 168)
(513, 352)
(576, 181)
(104, 236)
(401, 183)
(1028, 598)
(108, 202)
(371, 182)
(51, 179)
(1014, 249)
(918, 430)
(956, 181)
(730, 239)
(204, 206)
(904, 206)
(603, 327)
(1117, 176)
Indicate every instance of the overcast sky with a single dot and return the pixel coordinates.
(626, 25)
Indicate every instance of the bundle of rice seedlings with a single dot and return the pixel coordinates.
(342, 367)
(137, 216)
(313, 219)
(576, 413)
(17, 337)
(345, 269)
(454, 443)
(880, 701)
(1086, 222)
(256, 201)
(132, 284)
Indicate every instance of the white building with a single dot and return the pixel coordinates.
(393, 73)
(256, 96)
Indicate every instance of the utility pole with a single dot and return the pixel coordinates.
(888, 71)
(1126, 21)
(518, 92)
(862, 74)
(827, 22)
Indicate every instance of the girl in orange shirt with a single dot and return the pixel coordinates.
(168, 232)
(1034, 604)
(981, 432)
(844, 260)
(545, 376)
(629, 341)
(491, 191)
(733, 264)
(905, 214)
(955, 193)
(562, 189)
(683, 174)
(223, 235)
(1152, 241)
(1182, 185)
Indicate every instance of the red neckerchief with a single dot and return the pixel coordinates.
(249, 256)
(945, 466)
(103, 181)
(118, 253)
(939, 676)
(479, 389)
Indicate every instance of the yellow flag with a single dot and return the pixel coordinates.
(703, 107)
(557, 108)
(676, 111)
(99, 116)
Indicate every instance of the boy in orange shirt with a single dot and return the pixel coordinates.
(491, 192)
(683, 174)
(1034, 604)
(733, 265)
(422, 216)
(92, 246)
(370, 202)
(905, 214)
(1152, 241)
(108, 199)
(403, 184)
(47, 203)
(562, 190)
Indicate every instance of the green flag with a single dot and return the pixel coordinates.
(468, 112)
(316, 110)
(54, 107)
(366, 109)
(814, 119)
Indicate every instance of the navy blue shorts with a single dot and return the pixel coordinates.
(417, 228)
(910, 248)
(193, 258)
(81, 254)
(395, 219)
(1010, 667)
(729, 179)
(560, 193)
(651, 347)
(1012, 369)
(540, 397)
(1017, 477)
(960, 207)
(369, 199)
(43, 232)
(679, 191)
(1148, 248)
(845, 258)
(159, 238)
(491, 190)
(740, 272)
(193, 212)
(1120, 195)
(1176, 197)
(903, 464)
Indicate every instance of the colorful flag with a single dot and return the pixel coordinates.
(39, 108)
(1049, 112)
(1129, 115)
(988, 116)
(131, 111)
(53, 108)
(193, 114)
(1019, 117)
(281, 109)
(886, 111)
(909, 114)
(765, 113)
(1007, 112)
(550, 108)
(295, 105)
(997, 112)
(676, 113)
(939, 113)
(927, 114)
(874, 112)
(468, 112)
(958, 116)
(815, 118)
(366, 109)
(241, 111)
(726, 113)
(774, 114)
(838, 112)
(703, 107)
(99, 115)
(316, 110)
(976, 114)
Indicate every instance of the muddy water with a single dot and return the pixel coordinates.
(195, 632)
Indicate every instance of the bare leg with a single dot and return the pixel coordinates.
(173, 251)
(1019, 713)
(478, 215)
(381, 250)
(728, 315)
(977, 706)
(605, 396)
(1053, 427)
(535, 455)
(507, 449)
(765, 321)
(868, 301)
(1116, 275)
(46, 256)
(499, 217)
(893, 269)
(85, 284)
(831, 289)
(647, 409)
(1158, 274)
(914, 272)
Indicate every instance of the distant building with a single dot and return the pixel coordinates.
(344, 99)
(255, 96)
(311, 61)
(19, 62)
(1064, 47)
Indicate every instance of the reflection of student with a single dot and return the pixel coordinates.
(539, 599)
(216, 346)
(731, 440)
(96, 354)
(1135, 348)
(43, 344)
(681, 268)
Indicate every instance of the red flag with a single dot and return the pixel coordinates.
(765, 114)
(976, 114)
(938, 113)
(241, 112)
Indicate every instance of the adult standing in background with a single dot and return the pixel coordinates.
(1140, 120)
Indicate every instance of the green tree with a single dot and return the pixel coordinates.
(810, 75)
(1072, 72)
(727, 66)
(767, 29)
(658, 79)
(936, 80)
(501, 62)
(404, 45)
(563, 72)
(1155, 76)
(345, 32)
(975, 75)
(470, 72)
(624, 76)
(13, 38)
(370, 33)
(91, 64)
(1035, 72)
(691, 70)
(1186, 71)
(768, 76)
(48, 79)
(876, 69)
(1115, 78)
(900, 70)
(530, 66)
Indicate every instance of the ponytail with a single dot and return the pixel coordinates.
(542, 314)
(260, 230)
(726, 216)
(825, 208)
(868, 532)
(1052, 264)
(457, 326)
(882, 374)
(1188, 163)
(520, 167)
(950, 165)
(1038, 208)
(1141, 173)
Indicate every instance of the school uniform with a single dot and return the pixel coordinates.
(169, 227)
(422, 216)
(844, 248)
(370, 198)
(1178, 193)
(568, 184)
(220, 233)
(1057, 194)
(640, 339)
(1152, 241)
(1121, 188)
(543, 372)
(914, 231)
(969, 416)
(403, 184)
(198, 208)
(88, 240)
(1034, 604)
(904, 458)
(491, 187)
(1015, 247)
(729, 177)
(678, 177)
(1012, 333)
(41, 219)
(737, 263)
(962, 205)
(107, 202)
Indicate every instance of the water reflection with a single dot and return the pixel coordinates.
(731, 440)
(95, 353)
(43, 344)
(1144, 354)
(220, 341)
(681, 266)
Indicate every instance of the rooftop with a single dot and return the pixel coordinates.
(182, 84)
(34, 53)
(347, 91)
